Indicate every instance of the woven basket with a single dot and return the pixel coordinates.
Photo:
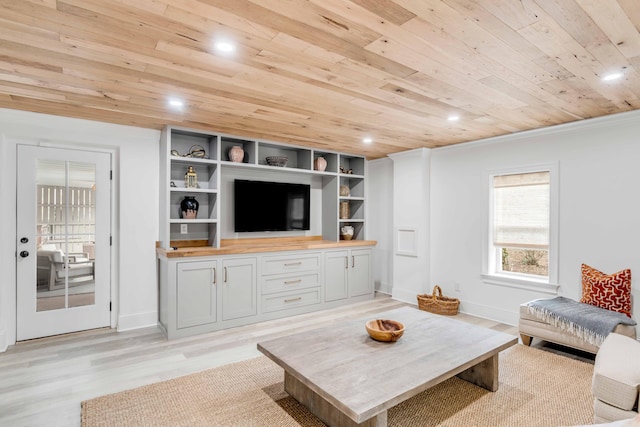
(438, 304)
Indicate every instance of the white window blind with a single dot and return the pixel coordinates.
(521, 210)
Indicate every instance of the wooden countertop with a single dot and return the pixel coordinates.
(248, 246)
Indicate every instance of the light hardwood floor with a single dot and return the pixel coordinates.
(42, 382)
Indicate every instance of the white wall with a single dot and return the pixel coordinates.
(599, 174)
(135, 216)
(411, 217)
(599, 170)
(379, 217)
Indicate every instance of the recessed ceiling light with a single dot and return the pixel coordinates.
(225, 47)
(453, 118)
(367, 140)
(176, 103)
(612, 76)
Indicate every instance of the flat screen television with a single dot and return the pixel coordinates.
(270, 206)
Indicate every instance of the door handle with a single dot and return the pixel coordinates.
(214, 276)
(24, 254)
(353, 261)
(24, 240)
(225, 274)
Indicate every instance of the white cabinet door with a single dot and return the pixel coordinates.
(239, 290)
(196, 293)
(360, 282)
(336, 273)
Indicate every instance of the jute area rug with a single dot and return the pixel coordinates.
(537, 388)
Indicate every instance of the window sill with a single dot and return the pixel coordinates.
(517, 283)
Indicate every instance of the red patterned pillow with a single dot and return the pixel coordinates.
(610, 291)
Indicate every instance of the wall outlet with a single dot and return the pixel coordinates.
(456, 286)
(184, 228)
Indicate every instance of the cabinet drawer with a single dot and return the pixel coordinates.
(286, 264)
(276, 302)
(289, 282)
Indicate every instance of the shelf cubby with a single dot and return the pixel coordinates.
(249, 147)
(206, 211)
(298, 158)
(354, 183)
(356, 208)
(354, 164)
(183, 141)
(205, 170)
(195, 231)
(358, 228)
(331, 158)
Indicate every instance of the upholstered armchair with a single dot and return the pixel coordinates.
(53, 266)
(616, 379)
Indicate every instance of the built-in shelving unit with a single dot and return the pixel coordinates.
(181, 149)
(352, 177)
(211, 161)
(203, 289)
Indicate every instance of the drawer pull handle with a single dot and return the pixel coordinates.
(292, 264)
(292, 282)
(293, 299)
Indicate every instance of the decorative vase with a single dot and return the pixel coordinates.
(346, 232)
(344, 210)
(236, 154)
(344, 191)
(320, 164)
(189, 207)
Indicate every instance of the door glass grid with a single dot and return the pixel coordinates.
(65, 233)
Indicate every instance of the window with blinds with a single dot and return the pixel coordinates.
(521, 215)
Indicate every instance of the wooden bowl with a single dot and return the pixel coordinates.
(384, 330)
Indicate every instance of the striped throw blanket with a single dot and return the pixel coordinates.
(586, 321)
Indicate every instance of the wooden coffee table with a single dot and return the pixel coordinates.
(347, 379)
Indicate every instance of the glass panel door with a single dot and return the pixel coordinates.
(64, 253)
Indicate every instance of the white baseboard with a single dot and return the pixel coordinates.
(383, 287)
(507, 317)
(496, 314)
(408, 296)
(137, 321)
(3, 342)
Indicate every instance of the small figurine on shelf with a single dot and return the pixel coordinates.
(197, 151)
(346, 171)
(191, 178)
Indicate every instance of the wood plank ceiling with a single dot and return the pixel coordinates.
(324, 73)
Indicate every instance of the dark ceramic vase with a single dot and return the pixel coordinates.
(189, 207)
